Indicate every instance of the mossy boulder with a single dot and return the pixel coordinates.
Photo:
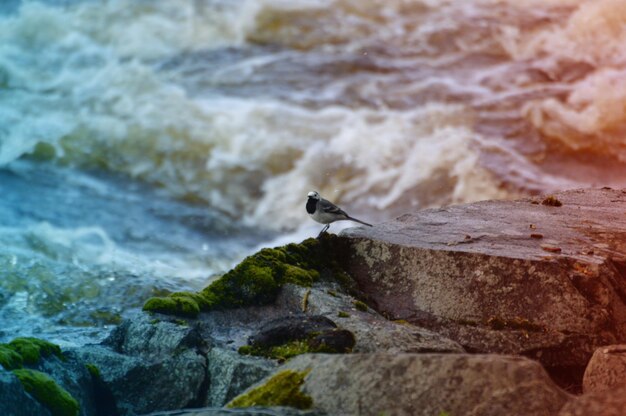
(32, 349)
(47, 392)
(283, 389)
(257, 280)
(9, 359)
(26, 351)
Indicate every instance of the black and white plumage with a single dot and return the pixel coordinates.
(325, 212)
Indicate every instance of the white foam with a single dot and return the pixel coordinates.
(86, 86)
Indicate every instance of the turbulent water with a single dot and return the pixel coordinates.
(147, 145)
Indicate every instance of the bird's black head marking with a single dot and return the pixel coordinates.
(311, 205)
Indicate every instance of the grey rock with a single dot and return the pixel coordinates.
(148, 365)
(598, 403)
(230, 374)
(14, 401)
(252, 411)
(606, 369)
(427, 384)
(141, 386)
(373, 332)
(453, 269)
(151, 337)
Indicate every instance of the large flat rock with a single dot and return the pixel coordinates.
(475, 273)
(428, 384)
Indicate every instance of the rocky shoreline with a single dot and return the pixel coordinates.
(489, 308)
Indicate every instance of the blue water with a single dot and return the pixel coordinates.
(82, 249)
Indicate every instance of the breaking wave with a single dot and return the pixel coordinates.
(383, 106)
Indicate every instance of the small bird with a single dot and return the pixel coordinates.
(325, 212)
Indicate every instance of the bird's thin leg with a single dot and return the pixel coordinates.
(323, 230)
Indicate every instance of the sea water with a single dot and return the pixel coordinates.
(146, 146)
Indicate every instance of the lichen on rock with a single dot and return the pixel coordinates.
(283, 389)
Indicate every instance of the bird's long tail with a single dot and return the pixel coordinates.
(359, 221)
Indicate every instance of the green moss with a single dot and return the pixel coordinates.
(283, 389)
(360, 306)
(257, 280)
(93, 370)
(278, 352)
(342, 314)
(246, 350)
(290, 349)
(33, 349)
(332, 293)
(9, 359)
(43, 151)
(175, 305)
(45, 390)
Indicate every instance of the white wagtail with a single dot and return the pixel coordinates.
(325, 212)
